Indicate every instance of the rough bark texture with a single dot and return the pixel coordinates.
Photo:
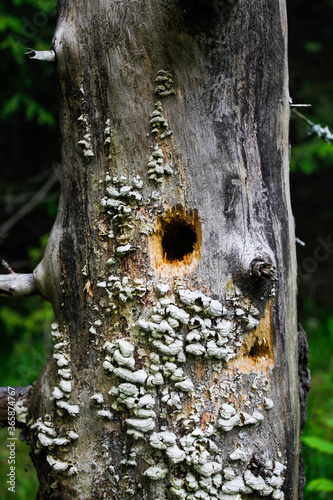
(174, 372)
(304, 387)
(18, 399)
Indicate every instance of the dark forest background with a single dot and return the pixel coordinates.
(29, 187)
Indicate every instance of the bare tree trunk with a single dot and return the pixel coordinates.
(171, 265)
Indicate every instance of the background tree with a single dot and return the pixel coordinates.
(292, 94)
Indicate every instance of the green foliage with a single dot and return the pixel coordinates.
(26, 23)
(313, 47)
(318, 431)
(26, 479)
(29, 329)
(25, 349)
(320, 484)
(310, 155)
(27, 325)
(36, 253)
(32, 109)
(26, 346)
(319, 444)
(43, 5)
(8, 22)
(329, 422)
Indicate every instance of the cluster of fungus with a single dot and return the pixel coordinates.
(157, 164)
(134, 393)
(47, 437)
(121, 201)
(107, 136)
(85, 143)
(122, 290)
(164, 82)
(62, 392)
(182, 324)
(151, 364)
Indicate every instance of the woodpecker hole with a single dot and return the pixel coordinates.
(175, 244)
(259, 350)
(178, 240)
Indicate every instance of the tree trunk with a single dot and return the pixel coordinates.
(171, 265)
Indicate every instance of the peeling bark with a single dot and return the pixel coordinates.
(174, 371)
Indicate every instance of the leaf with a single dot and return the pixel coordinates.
(11, 105)
(313, 47)
(32, 109)
(318, 444)
(330, 327)
(8, 22)
(329, 422)
(310, 155)
(320, 484)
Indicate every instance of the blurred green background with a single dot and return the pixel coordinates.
(29, 155)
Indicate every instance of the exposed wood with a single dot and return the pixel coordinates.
(257, 351)
(175, 243)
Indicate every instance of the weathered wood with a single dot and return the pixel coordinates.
(17, 285)
(174, 360)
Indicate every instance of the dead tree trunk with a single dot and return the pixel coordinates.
(171, 265)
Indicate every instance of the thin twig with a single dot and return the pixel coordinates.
(316, 129)
(7, 266)
(304, 118)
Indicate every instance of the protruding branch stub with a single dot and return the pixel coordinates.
(263, 268)
(41, 55)
(17, 285)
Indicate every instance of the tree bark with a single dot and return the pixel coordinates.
(304, 387)
(16, 398)
(171, 265)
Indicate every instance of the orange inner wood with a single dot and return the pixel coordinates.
(175, 244)
(257, 351)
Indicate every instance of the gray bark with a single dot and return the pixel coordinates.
(17, 285)
(18, 399)
(174, 371)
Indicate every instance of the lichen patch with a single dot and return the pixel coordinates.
(257, 351)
